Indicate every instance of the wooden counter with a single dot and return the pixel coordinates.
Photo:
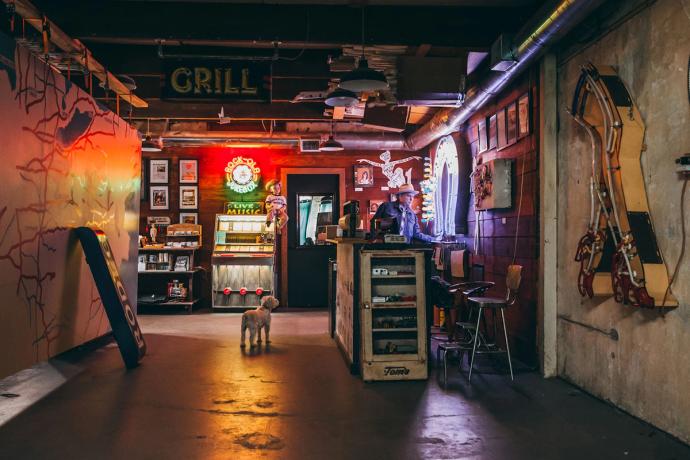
(348, 292)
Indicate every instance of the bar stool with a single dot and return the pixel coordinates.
(444, 296)
(481, 304)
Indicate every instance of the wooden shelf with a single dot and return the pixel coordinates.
(168, 249)
(392, 277)
(394, 304)
(395, 329)
(172, 272)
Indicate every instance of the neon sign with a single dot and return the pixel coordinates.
(242, 174)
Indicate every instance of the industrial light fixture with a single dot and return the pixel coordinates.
(331, 145)
(341, 98)
(363, 78)
(151, 144)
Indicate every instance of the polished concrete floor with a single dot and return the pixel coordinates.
(197, 395)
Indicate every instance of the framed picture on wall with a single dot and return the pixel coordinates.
(189, 197)
(481, 135)
(189, 171)
(159, 197)
(189, 218)
(374, 206)
(364, 175)
(511, 120)
(501, 128)
(523, 116)
(158, 171)
(493, 132)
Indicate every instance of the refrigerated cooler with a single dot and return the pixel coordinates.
(393, 319)
(242, 261)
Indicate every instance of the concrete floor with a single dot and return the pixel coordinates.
(197, 395)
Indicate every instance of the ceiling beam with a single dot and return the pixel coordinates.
(339, 24)
(76, 49)
(241, 111)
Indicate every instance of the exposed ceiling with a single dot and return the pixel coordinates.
(313, 39)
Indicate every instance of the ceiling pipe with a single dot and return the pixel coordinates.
(530, 45)
(350, 141)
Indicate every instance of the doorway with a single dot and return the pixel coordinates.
(313, 201)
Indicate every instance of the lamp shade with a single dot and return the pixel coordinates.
(341, 98)
(150, 144)
(331, 145)
(363, 79)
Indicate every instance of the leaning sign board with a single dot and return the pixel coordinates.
(220, 80)
(122, 319)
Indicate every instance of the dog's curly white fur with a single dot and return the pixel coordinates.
(256, 319)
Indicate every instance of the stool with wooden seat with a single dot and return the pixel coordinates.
(444, 296)
(481, 304)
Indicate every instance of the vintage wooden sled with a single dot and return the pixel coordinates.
(618, 254)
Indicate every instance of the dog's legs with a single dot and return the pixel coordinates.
(258, 332)
(267, 327)
(243, 328)
(252, 335)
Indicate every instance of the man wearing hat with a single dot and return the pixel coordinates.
(403, 214)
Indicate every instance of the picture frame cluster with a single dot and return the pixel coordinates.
(159, 188)
(505, 127)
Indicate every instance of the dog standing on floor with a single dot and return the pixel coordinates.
(258, 318)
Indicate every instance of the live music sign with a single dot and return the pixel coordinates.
(226, 80)
(244, 208)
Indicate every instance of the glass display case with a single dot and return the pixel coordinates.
(393, 320)
(242, 262)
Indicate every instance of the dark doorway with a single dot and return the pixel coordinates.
(313, 201)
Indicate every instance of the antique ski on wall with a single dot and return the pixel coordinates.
(620, 244)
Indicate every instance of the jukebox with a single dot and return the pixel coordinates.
(243, 261)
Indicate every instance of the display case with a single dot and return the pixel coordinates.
(393, 318)
(242, 262)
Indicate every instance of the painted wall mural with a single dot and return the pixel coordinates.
(67, 161)
(395, 175)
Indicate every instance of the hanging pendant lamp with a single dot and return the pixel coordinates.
(149, 143)
(341, 98)
(363, 78)
(331, 145)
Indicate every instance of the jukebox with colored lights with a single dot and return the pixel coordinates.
(243, 261)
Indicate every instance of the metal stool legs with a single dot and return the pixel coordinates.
(505, 334)
(478, 338)
(474, 346)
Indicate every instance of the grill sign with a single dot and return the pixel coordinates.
(238, 80)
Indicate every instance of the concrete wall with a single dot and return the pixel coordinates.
(66, 162)
(647, 371)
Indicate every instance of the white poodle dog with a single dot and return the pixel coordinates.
(258, 318)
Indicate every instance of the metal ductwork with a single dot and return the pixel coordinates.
(530, 44)
(350, 141)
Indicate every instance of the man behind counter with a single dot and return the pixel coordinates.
(403, 214)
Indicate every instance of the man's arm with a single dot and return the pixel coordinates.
(418, 235)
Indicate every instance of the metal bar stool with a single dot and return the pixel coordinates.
(444, 294)
(480, 344)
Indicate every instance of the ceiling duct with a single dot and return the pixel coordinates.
(530, 45)
(349, 141)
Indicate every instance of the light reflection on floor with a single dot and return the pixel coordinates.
(197, 395)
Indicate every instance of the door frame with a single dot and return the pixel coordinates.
(284, 172)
